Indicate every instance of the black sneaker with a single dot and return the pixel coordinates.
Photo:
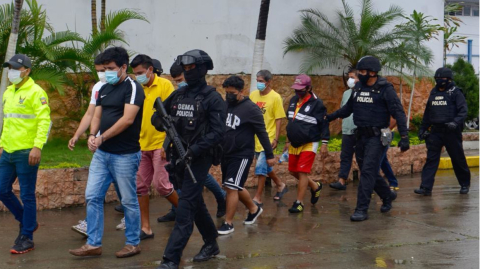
(119, 208)
(170, 216)
(316, 194)
(296, 207)
(464, 189)
(23, 245)
(338, 186)
(20, 232)
(423, 191)
(226, 229)
(221, 208)
(251, 218)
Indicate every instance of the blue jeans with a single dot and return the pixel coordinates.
(214, 187)
(121, 169)
(261, 166)
(13, 165)
(387, 170)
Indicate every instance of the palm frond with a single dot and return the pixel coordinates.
(116, 18)
(54, 79)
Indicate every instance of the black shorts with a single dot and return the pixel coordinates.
(235, 172)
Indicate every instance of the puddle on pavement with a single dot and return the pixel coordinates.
(381, 262)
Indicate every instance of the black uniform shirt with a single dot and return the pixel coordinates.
(445, 106)
(113, 98)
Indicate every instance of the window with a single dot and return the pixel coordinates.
(466, 10)
(459, 13)
(475, 11)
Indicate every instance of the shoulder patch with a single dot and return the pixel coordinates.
(43, 100)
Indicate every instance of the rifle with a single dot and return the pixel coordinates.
(172, 134)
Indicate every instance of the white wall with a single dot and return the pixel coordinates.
(225, 29)
(469, 29)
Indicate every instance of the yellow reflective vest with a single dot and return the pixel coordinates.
(26, 121)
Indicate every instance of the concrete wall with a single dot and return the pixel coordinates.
(225, 29)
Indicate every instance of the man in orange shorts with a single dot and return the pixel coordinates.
(306, 126)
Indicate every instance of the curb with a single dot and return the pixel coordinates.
(446, 162)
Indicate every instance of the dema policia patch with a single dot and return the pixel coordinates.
(43, 100)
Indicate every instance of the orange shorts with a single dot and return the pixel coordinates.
(300, 160)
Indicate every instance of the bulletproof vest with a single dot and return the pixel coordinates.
(442, 105)
(189, 115)
(369, 106)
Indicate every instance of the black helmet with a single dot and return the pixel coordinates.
(157, 67)
(198, 57)
(444, 72)
(369, 63)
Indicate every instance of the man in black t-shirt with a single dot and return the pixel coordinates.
(118, 117)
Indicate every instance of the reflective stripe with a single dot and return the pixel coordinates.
(305, 118)
(20, 116)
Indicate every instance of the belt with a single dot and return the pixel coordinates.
(367, 131)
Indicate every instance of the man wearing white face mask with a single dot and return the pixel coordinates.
(25, 131)
(348, 137)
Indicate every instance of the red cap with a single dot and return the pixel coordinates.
(301, 81)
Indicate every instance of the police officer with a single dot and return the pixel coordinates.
(199, 113)
(444, 114)
(372, 102)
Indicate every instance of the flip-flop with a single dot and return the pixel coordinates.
(279, 194)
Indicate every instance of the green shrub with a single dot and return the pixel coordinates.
(335, 144)
(465, 78)
(60, 165)
(415, 122)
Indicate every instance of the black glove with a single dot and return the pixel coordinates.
(451, 125)
(404, 144)
(157, 123)
(423, 134)
(188, 156)
(329, 117)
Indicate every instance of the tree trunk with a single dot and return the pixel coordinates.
(411, 94)
(94, 17)
(102, 18)
(11, 47)
(401, 82)
(259, 43)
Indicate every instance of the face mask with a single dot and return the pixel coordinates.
(351, 83)
(231, 98)
(194, 76)
(101, 76)
(14, 76)
(363, 79)
(261, 86)
(142, 79)
(300, 93)
(182, 84)
(441, 83)
(111, 77)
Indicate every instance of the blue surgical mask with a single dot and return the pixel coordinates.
(142, 79)
(261, 86)
(182, 84)
(111, 77)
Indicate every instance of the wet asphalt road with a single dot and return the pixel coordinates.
(441, 231)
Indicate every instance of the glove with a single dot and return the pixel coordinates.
(404, 144)
(157, 123)
(423, 134)
(188, 156)
(329, 118)
(451, 126)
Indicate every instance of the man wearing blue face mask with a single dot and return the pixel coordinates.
(118, 118)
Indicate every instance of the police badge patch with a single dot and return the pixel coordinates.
(307, 108)
(43, 100)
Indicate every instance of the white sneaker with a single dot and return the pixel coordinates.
(121, 226)
(81, 227)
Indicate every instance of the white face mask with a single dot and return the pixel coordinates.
(351, 83)
(101, 76)
(14, 76)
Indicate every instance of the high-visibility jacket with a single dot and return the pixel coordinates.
(26, 122)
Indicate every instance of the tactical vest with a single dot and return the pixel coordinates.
(189, 116)
(442, 106)
(369, 106)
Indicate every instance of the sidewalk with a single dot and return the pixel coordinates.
(441, 231)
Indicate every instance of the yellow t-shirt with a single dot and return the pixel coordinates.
(150, 138)
(272, 109)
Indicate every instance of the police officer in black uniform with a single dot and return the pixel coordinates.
(444, 114)
(372, 103)
(199, 113)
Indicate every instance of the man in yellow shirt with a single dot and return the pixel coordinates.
(271, 104)
(152, 165)
(25, 131)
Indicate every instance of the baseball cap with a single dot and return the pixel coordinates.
(19, 60)
(301, 81)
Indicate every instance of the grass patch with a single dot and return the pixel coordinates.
(55, 154)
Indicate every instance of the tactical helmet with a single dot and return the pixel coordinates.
(369, 63)
(198, 57)
(444, 72)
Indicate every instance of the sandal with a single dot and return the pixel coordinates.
(280, 194)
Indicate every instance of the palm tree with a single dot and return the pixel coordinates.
(12, 43)
(102, 17)
(259, 42)
(417, 30)
(330, 43)
(450, 26)
(93, 11)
